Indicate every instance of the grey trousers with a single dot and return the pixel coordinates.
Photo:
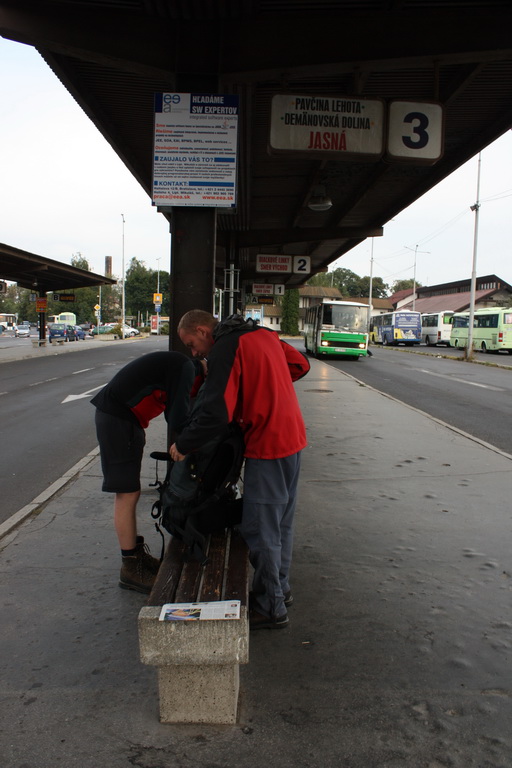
(270, 495)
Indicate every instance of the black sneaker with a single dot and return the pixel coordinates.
(259, 621)
(288, 598)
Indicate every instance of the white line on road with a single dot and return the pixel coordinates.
(84, 370)
(70, 398)
(45, 381)
(461, 381)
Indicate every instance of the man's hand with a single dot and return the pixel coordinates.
(175, 454)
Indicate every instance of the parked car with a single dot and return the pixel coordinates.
(80, 333)
(129, 331)
(61, 331)
(110, 328)
(22, 330)
(102, 329)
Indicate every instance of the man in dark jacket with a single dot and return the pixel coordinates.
(159, 382)
(250, 380)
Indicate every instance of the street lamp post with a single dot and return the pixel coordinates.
(158, 291)
(122, 281)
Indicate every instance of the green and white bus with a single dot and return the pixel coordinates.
(459, 329)
(492, 330)
(336, 328)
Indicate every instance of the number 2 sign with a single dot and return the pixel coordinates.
(415, 131)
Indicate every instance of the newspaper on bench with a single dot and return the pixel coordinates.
(226, 609)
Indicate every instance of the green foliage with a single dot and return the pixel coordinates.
(349, 284)
(140, 285)
(290, 317)
(402, 285)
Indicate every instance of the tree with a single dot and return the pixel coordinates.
(290, 317)
(402, 285)
(349, 284)
(140, 285)
(379, 287)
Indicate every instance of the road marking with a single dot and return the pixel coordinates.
(84, 370)
(461, 381)
(45, 381)
(70, 398)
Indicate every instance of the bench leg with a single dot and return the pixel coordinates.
(199, 694)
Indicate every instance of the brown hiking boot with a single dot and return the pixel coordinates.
(138, 571)
(142, 550)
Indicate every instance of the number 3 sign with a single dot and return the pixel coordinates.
(415, 131)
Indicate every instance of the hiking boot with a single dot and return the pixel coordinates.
(259, 621)
(142, 550)
(138, 571)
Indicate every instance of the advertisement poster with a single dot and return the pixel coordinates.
(195, 146)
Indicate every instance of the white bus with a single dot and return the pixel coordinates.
(436, 328)
(8, 321)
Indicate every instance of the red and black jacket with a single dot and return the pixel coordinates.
(159, 382)
(250, 380)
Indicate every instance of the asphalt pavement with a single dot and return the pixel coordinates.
(399, 646)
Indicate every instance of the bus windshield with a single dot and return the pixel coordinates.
(345, 318)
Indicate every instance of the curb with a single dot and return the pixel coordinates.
(35, 507)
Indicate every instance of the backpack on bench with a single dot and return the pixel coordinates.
(199, 495)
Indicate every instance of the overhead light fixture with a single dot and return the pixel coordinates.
(319, 200)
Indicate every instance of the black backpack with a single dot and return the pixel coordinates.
(199, 495)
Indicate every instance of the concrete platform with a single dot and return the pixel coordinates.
(398, 651)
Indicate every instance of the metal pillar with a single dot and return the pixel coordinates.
(193, 232)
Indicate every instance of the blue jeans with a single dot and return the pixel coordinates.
(270, 495)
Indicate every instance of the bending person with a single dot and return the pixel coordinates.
(159, 382)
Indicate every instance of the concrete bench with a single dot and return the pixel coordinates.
(39, 342)
(198, 661)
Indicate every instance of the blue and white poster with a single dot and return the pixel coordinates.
(195, 150)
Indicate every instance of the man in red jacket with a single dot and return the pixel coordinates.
(250, 380)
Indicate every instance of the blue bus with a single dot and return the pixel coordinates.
(400, 327)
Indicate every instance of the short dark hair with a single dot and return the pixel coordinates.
(195, 317)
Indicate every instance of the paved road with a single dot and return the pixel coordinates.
(47, 420)
(475, 398)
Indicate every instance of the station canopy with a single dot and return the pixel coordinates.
(413, 74)
(42, 275)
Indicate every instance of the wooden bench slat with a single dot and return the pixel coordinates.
(213, 575)
(237, 580)
(166, 583)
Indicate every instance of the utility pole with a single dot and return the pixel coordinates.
(371, 289)
(475, 208)
(414, 274)
(122, 293)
